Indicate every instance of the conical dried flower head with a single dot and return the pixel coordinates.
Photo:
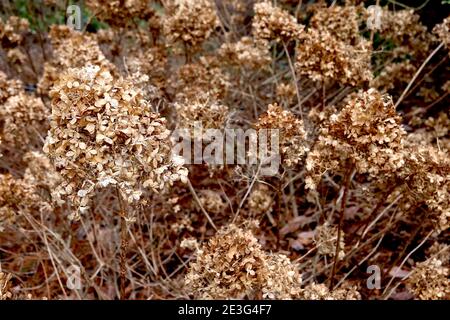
(273, 23)
(367, 131)
(319, 291)
(5, 293)
(341, 21)
(292, 133)
(324, 58)
(103, 133)
(233, 265)
(190, 21)
(443, 32)
(24, 120)
(71, 49)
(429, 280)
(119, 14)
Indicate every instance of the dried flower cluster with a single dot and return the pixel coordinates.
(121, 13)
(273, 23)
(246, 53)
(367, 132)
(427, 174)
(11, 31)
(72, 49)
(233, 265)
(24, 119)
(429, 280)
(324, 58)
(409, 44)
(260, 200)
(197, 79)
(210, 113)
(341, 21)
(17, 195)
(443, 31)
(103, 133)
(292, 135)
(307, 121)
(315, 291)
(190, 21)
(212, 201)
(8, 87)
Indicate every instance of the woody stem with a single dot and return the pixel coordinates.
(123, 246)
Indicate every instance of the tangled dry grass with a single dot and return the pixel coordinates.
(94, 204)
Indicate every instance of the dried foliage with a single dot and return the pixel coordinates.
(190, 21)
(89, 126)
(233, 265)
(273, 23)
(104, 133)
(429, 279)
(292, 135)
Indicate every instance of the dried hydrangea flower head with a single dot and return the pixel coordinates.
(411, 44)
(152, 63)
(9, 87)
(24, 119)
(71, 49)
(211, 113)
(341, 21)
(117, 13)
(286, 92)
(273, 23)
(427, 175)
(367, 131)
(292, 135)
(260, 200)
(190, 21)
(195, 79)
(17, 195)
(41, 173)
(232, 264)
(429, 280)
(11, 31)
(326, 238)
(315, 291)
(212, 201)
(443, 32)
(393, 74)
(246, 53)
(103, 133)
(409, 35)
(430, 131)
(324, 58)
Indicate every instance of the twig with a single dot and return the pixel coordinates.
(191, 188)
(417, 74)
(294, 77)
(123, 246)
(406, 258)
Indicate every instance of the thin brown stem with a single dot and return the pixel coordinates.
(341, 219)
(294, 78)
(123, 247)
